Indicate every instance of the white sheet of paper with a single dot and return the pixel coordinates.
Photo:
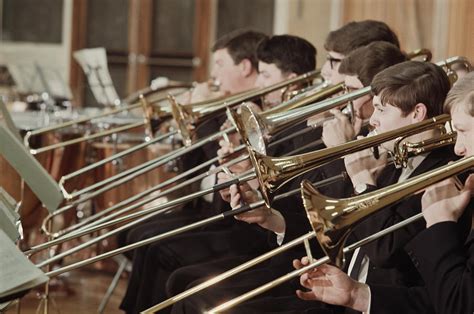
(30, 76)
(13, 150)
(17, 273)
(94, 64)
(8, 216)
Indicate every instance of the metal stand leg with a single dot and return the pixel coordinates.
(122, 266)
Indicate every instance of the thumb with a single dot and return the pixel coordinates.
(337, 114)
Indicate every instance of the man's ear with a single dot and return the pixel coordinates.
(419, 113)
(291, 75)
(246, 68)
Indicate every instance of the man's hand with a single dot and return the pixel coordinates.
(202, 92)
(269, 219)
(444, 202)
(331, 285)
(363, 168)
(338, 130)
(226, 153)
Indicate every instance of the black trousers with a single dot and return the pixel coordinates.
(281, 299)
(154, 265)
(158, 225)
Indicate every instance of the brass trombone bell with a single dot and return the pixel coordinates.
(333, 219)
(255, 128)
(187, 115)
(274, 172)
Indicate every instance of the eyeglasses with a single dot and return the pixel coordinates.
(332, 61)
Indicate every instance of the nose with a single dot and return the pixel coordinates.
(326, 71)
(214, 73)
(459, 147)
(373, 120)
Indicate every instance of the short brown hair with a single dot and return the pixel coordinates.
(357, 34)
(406, 84)
(461, 93)
(289, 53)
(367, 61)
(241, 44)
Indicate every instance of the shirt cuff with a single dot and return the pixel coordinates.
(280, 237)
(370, 302)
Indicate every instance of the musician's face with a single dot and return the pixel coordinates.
(387, 118)
(363, 108)
(463, 123)
(330, 69)
(269, 74)
(226, 72)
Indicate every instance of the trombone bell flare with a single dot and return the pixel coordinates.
(321, 221)
(333, 219)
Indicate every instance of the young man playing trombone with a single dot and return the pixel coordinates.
(440, 253)
(160, 259)
(405, 94)
(235, 69)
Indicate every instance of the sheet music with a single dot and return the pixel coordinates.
(17, 273)
(94, 64)
(8, 216)
(13, 150)
(31, 76)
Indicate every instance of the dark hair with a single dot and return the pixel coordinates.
(367, 61)
(241, 44)
(406, 84)
(461, 93)
(357, 34)
(289, 53)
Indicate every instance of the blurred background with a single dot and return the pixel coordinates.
(172, 38)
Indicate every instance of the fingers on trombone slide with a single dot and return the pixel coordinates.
(236, 194)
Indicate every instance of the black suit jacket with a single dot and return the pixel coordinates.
(398, 299)
(446, 265)
(390, 264)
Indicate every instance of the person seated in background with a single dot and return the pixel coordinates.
(235, 68)
(222, 239)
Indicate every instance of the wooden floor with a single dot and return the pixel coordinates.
(81, 292)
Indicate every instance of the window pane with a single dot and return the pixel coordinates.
(107, 24)
(32, 21)
(253, 14)
(173, 27)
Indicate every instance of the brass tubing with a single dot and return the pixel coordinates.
(113, 157)
(148, 213)
(238, 269)
(163, 236)
(35, 151)
(298, 272)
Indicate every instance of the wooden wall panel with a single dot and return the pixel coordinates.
(411, 20)
(461, 29)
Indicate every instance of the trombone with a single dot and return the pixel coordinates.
(138, 170)
(332, 220)
(143, 104)
(156, 238)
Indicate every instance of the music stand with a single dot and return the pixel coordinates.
(12, 149)
(94, 64)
